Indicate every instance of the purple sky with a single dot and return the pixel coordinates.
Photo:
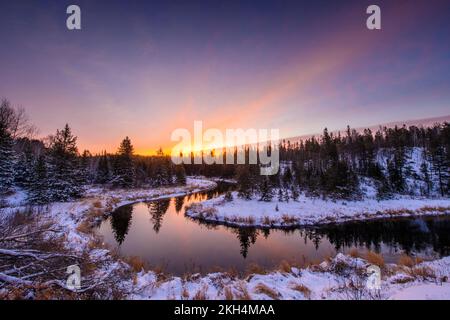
(145, 68)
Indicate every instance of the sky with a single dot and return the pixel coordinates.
(145, 68)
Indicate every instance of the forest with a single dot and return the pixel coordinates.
(332, 165)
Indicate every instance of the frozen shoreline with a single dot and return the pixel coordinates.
(329, 280)
(307, 211)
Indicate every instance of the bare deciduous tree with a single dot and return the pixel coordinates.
(15, 121)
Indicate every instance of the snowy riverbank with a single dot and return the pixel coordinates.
(311, 211)
(342, 277)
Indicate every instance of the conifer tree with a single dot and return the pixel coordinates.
(103, 173)
(24, 167)
(180, 175)
(265, 190)
(124, 173)
(63, 166)
(294, 193)
(426, 177)
(244, 183)
(39, 187)
(6, 161)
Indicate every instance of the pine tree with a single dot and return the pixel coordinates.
(426, 177)
(24, 167)
(286, 195)
(265, 190)
(287, 177)
(103, 174)
(280, 195)
(244, 183)
(124, 173)
(228, 196)
(6, 161)
(294, 193)
(63, 167)
(180, 175)
(39, 186)
(86, 176)
(395, 170)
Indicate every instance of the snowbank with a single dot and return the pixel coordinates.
(343, 277)
(309, 211)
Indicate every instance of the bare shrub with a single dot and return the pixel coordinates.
(201, 293)
(406, 261)
(261, 288)
(136, 263)
(255, 268)
(242, 291)
(303, 289)
(375, 258)
(228, 293)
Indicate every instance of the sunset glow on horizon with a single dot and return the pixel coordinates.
(143, 69)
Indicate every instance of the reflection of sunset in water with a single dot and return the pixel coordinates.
(159, 233)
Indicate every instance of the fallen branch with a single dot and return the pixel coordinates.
(25, 235)
(35, 254)
(14, 280)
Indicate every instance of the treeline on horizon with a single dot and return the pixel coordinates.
(332, 165)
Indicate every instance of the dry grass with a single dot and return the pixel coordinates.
(185, 293)
(434, 209)
(263, 289)
(136, 263)
(396, 212)
(288, 219)
(201, 294)
(242, 291)
(228, 293)
(354, 253)
(403, 280)
(255, 268)
(285, 266)
(232, 273)
(92, 214)
(97, 204)
(375, 258)
(303, 289)
(406, 261)
(84, 227)
(267, 221)
(422, 272)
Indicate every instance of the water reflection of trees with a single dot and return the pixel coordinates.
(179, 204)
(407, 234)
(246, 237)
(157, 209)
(120, 222)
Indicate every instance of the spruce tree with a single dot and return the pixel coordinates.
(228, 196)
(426, 178)
(180, 175)
(244, 183)
(280, 195)
(6, 161)
(39, 186)
(124, 173)
(103, 174)
(395, 170)
(24, 167)
(294, 193)
(265, 190)
(63, 167)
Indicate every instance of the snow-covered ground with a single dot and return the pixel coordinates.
(310, 211)
(339, 278)
(342, 277)
(69, 215)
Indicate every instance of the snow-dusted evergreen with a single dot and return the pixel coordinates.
(6, 161)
